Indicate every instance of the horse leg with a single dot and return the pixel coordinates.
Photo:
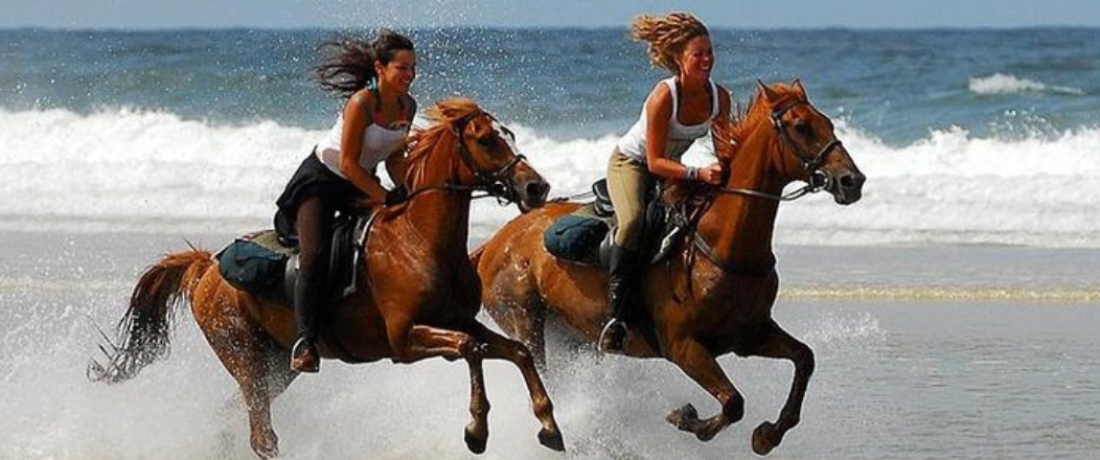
(258, 365)
(777, 343)
(520, 312)
(477, 431)
(421, 342)
(527, 325)
(262, 374)
(258, 398)
(500, 347)
(699, 364)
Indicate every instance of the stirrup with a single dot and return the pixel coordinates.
(304, 357)
(613, 337)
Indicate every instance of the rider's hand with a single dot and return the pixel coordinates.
(711, 174)
(397, 195)
(367, 203)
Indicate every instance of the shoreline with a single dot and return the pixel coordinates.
(59, 261)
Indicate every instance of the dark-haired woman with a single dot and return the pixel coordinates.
(339, 174)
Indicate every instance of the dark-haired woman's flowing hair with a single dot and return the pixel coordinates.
(347, 65)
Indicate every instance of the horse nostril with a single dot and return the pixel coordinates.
(851, 181)
(537, 189)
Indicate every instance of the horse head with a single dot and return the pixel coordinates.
(808, 149)
(488, 157)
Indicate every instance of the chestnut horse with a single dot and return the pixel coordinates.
(418, 297)
(693, 309)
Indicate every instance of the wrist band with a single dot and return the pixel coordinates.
(692, 173)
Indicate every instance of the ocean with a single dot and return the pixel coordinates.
(977, 137)
(953, 310)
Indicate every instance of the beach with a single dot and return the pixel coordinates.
(980, 352)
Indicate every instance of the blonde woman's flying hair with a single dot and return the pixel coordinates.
(667, 36)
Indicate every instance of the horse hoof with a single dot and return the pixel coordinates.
(552, 439)
(266, 452)
(476, 439)
(683, 417)
(266, 447)
(761, 439)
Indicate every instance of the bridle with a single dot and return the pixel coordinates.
(496, 184)
(817, 180)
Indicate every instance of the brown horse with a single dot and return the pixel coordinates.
(694, 308)
(417, 299)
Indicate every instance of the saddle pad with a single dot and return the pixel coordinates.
(576, 238)
(255, 263)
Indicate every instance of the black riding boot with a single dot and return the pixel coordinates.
(622, 281)
(312, 222)
(304, 357)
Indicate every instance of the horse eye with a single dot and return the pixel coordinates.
(485, 141)
(803, 129)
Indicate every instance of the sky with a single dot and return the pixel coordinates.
(752, 14)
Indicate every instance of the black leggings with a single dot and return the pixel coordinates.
(314, 224)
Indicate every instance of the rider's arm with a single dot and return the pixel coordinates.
(658, 111)
(356, 119)
(396, 163)
(713, 173)
(723, 119)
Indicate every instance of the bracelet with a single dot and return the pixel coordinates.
(692, 173)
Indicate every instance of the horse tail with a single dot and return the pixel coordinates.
(143, 332)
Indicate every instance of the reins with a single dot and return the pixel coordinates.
(790, 196)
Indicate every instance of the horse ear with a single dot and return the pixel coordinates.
(797, 85)
(769, 94)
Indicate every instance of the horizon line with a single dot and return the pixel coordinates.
(39, 28)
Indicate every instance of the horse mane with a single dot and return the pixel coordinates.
(444, 116)
(734, 131)
(760, 110)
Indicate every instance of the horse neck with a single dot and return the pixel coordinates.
(440, 215)
(740, 227)
(442, 218)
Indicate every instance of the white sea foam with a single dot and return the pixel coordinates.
(188, 407)
(1000, 83)
(150, 171)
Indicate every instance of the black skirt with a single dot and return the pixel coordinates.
(312, 178)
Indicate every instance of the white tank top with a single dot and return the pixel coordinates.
(377, 143)
(680, 137)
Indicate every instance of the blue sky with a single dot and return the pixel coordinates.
(156, 14)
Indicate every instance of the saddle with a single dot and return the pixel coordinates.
(585, 236)
(264, 264)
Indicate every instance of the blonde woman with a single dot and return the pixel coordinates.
(679, 110)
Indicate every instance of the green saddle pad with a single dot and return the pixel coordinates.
(576, 237)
